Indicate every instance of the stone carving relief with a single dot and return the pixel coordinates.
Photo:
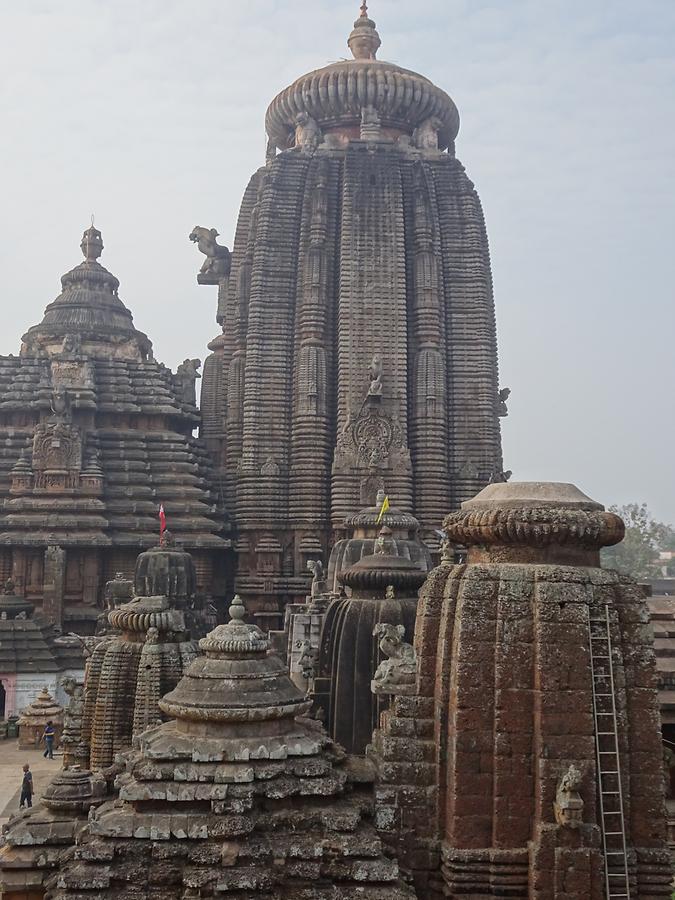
(218, 260)
(60, 404)
(374, 440)
(425, 136)
(569, 806)
(57, 452)
(396, 674)
(375, 371)
(72, 373)
(308, 135)
(307, 659)
(71, 344)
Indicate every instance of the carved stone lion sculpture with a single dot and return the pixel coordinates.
(396, 674)
(218, 258)
(308, 135)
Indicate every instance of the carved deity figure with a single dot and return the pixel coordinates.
(569, 806)
(396, 674)
(218, 259)
(375, 371)
(502, 397)
(308, 135)
(61, 405)
(270, 151)
(425, 136)
(187, 375)
(9, 587)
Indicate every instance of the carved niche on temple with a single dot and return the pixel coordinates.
(57, 448)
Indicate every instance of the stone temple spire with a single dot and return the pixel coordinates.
(364, 41)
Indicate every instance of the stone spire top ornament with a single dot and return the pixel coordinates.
(364, 41)
(92, 243)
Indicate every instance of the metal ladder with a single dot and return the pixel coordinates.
(613, 827)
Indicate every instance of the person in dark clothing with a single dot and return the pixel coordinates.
(48, 735)
(26, 787)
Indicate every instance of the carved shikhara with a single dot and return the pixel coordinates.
(359, 346)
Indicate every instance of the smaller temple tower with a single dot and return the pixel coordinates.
(95, 434)
(527, 761)
(153, 640)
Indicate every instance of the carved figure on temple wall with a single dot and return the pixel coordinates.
(375, 370)
(186, 376)
(396, 674)
(319, 586)
(270, 151)
(308, 135)
(218, 259)
(569, 806)
(71, 344)
(307, 659)
(60, 404)
(425, 136)
(9, 587)
(503, 396)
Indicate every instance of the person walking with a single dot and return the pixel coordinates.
(48, 735)
(26, 787)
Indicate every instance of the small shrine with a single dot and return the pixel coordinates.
(35, 717)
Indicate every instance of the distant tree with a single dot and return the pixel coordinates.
(637, 554)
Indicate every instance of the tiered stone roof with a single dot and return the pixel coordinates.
(35, 840)
(95, 434)
(237, 794)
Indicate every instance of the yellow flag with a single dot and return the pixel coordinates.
(383, 509)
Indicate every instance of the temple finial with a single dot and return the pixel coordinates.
(92, 243)
(364, 40)
(237, 609)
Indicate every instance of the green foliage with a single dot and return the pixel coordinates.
(637, 554)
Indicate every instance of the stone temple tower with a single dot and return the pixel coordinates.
(358, 347)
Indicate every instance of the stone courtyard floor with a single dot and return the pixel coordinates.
(11, 765)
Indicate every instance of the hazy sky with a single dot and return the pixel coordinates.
(151, 115)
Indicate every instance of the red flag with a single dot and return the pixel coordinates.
(162, 522)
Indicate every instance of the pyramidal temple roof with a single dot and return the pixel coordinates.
(89, 306)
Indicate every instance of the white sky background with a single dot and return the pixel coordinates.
(151, 115)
